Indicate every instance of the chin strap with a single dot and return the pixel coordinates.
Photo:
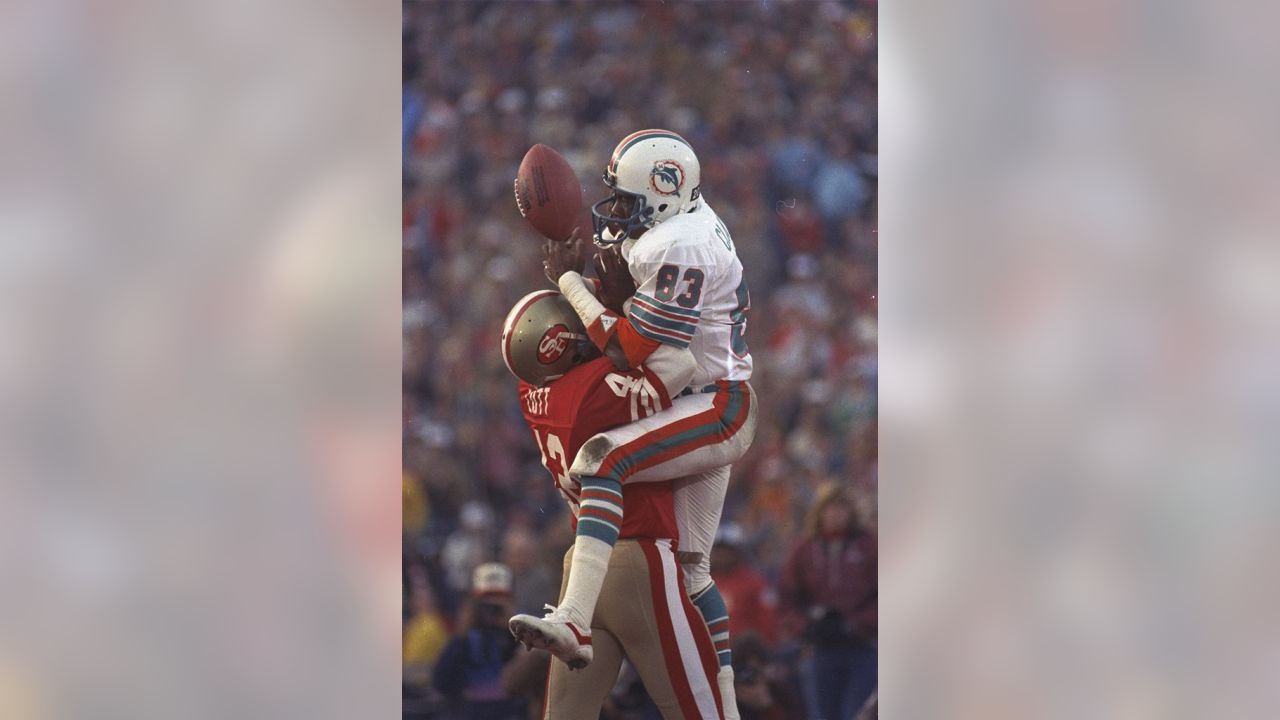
(607, 239)
(601, 322)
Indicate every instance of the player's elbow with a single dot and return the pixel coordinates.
(674, 367)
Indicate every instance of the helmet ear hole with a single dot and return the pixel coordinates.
(662, 207)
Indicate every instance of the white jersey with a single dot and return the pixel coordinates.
(690, 292)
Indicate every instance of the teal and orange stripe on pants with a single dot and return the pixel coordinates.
(729, 412)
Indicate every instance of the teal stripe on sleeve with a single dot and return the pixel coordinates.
(665, 323)
(656, 337)
(676, 309)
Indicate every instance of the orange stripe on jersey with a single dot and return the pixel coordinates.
(635, 346)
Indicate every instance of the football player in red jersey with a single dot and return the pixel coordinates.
(690, 293)
(566, 398)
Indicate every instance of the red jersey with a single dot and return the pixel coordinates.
(591, 398)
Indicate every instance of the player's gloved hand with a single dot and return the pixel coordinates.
(616, 283)
(562, 257)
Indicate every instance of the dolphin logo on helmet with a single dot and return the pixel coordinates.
(653, 175)
(667, 177)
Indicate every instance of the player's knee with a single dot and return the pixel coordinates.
(592, 454)
(696, 578)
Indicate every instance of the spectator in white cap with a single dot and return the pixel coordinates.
(469, 672)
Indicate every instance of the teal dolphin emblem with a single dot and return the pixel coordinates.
(667, 177)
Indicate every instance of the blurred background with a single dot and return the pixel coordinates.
(779, 102)
(199, 360)
(200, 309)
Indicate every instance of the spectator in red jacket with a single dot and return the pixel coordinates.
(752, 603)
(829, 591)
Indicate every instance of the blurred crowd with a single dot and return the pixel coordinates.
(779, 101)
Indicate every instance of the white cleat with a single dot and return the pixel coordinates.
(556, 635)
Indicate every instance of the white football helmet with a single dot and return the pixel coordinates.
(654, 175)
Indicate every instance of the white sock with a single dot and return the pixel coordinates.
(727, 697)
(586, 577)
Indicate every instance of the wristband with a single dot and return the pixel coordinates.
(603, 328)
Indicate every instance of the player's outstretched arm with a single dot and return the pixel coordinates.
(673, 365)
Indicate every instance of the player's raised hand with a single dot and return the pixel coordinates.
(616, 283)
(564, 256)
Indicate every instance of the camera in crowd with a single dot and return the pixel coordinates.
(488, 613)
(827, 626)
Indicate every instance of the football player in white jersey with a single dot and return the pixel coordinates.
(690, 293)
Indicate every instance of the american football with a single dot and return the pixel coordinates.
(548, 193)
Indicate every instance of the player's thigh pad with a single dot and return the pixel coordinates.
(645, 605)
(594, 451)
(697, 433)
